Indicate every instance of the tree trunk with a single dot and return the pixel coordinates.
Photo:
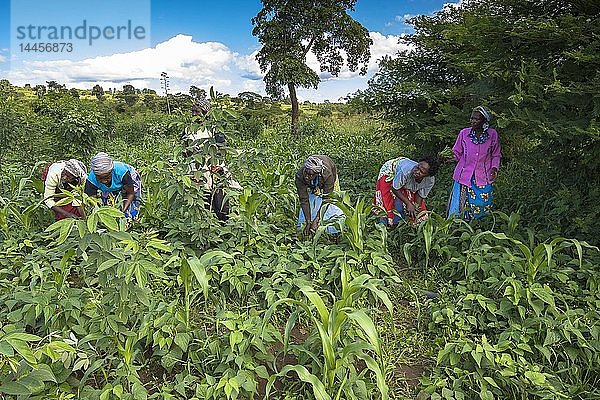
(295, 109)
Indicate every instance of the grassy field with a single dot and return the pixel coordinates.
(182, 306)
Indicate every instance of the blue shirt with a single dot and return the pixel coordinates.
(116, 183)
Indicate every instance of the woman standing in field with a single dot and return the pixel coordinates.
(316, 178)
(402, 186)
(112, 178)
(63, 175)
(477, 151)
(212, 171)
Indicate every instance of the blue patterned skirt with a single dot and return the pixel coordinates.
(331, 212)
(470, 202)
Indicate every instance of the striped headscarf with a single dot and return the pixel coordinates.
(76, 168)
(202, 105)
(485, 112)
(314, 164)
(101, 163)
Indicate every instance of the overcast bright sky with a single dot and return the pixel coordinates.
(200, 43)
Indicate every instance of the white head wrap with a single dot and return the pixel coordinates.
(485, 112)
(101, 163)
(76, 168)
(202, 105)
(314, 164)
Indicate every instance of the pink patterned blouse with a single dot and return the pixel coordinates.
(478, 159)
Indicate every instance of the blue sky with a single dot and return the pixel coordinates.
(200, 43)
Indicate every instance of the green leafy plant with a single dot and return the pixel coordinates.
(334, 372)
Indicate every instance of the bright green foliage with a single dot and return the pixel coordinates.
(345, 334)
(517, 314)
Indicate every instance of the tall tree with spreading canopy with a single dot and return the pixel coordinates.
(289, 29)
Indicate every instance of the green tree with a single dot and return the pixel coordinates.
(150, 101)
(289, 29)
(54, 86)
(98, 91)
(40, 90)
(130, 89)
(181, 101)
(129, 94)
(251, 100)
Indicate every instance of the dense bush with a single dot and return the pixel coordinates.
(134, 129)
(516, 314)
(249, 128)
(530, 62)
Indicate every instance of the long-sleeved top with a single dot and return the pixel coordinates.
(53, 185)
(478, 159)
(322, 184)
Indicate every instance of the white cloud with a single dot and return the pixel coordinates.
(202, 64)
(2, 58)
(402, 18)
(179, 56)
(249, 64)
(256, 86)
(382, 45)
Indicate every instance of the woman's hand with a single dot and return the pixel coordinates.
(306, 230)
(66, 214)
(311, 226)
(493, 174)
(314, 224)
(410, 210)
(129, 189)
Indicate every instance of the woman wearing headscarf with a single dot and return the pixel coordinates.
(402, 187)
(112, 178)
(63, 175)
(212, 172)
(316, 177)
(193, 140)
(477, 150)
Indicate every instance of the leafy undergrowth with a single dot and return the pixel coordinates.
(182, 306)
